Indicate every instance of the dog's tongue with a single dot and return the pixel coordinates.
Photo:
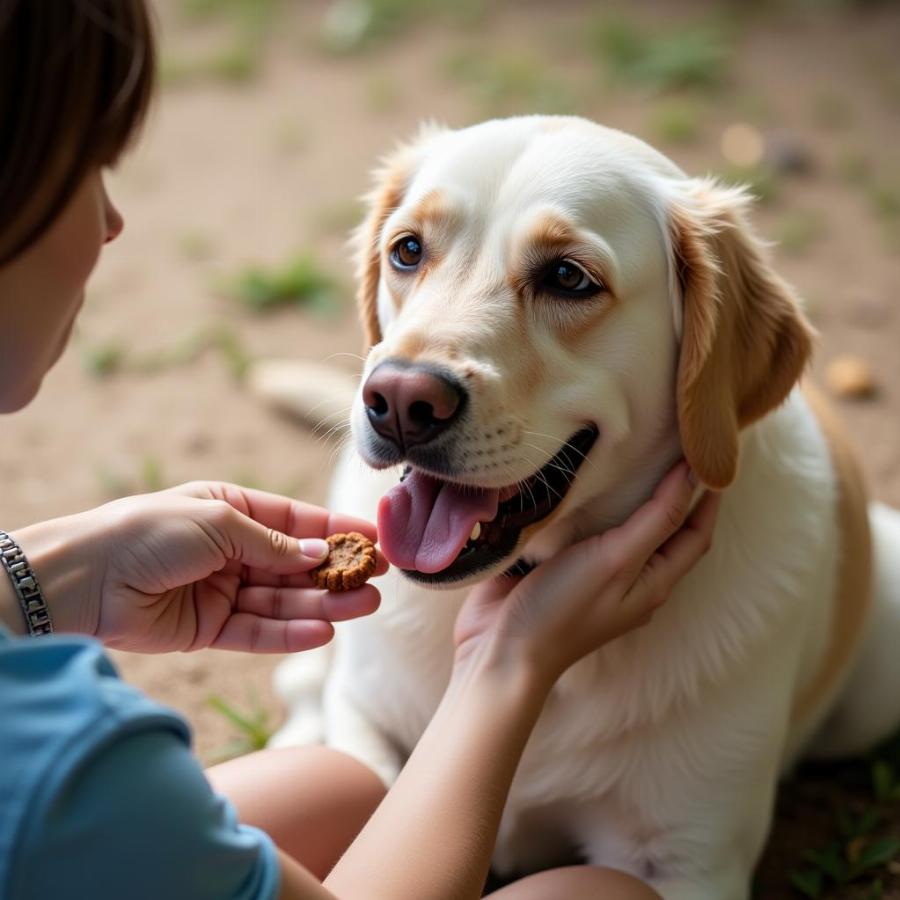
(423, 522)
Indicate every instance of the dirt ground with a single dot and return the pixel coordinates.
(259, 152)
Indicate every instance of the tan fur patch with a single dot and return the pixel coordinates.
(854, 588)
(745, 340)
(392, 180)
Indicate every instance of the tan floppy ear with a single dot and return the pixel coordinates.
(392, 179)
(745, 341)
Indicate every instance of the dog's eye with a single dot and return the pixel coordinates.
(407, 253)
(567, 279)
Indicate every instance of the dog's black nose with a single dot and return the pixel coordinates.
(410, 405)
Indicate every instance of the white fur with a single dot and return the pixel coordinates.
(660, 753)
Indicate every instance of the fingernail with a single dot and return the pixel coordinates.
(314, 548)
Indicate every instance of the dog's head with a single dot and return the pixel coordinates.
(554, 312)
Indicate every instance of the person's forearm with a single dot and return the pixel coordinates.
(63, 570)
(433, 835)
(10, 611)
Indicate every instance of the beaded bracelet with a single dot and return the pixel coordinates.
(26, 586)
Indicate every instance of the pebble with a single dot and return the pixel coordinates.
(850, 377)
(786, 154)
(742, 145)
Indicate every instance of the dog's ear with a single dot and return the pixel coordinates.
(392, 179)
(744, 342)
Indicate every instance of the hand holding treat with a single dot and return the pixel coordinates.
(206, 564)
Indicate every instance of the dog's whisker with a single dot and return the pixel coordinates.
(338, 353)
(570, 472)
(543, 479)
(567, 445)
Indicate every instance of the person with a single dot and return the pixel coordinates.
(100, 795)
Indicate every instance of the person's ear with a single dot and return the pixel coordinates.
(745, 341)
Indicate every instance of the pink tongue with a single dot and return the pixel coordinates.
(423, 522)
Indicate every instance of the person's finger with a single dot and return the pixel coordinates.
(494, 590)
(678, 555)
(251, 577)
(634, 542)
(685, 548)
(256, 634)
(244, 540)
(308, 603)
(291, 517)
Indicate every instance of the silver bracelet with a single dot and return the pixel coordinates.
(26, 586)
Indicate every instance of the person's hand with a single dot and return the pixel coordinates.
(591, 592)
(201, 565)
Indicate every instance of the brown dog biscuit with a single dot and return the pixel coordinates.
(350, 562)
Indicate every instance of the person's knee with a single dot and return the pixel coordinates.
(578, 883)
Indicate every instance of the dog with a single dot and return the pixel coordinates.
(555, 313)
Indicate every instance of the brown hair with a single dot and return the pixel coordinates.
(76, 77)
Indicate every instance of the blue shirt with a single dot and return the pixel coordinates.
(100, 795)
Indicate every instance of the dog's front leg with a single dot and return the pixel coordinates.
(351, 730)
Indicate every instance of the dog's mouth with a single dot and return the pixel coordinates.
(439, 531)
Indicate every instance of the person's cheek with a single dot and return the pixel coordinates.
(77, 243)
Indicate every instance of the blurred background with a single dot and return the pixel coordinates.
(239, 200)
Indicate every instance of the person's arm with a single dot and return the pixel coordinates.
(433, 835)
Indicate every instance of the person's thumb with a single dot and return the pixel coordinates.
(260, 547)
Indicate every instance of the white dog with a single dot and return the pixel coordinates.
(556, 313)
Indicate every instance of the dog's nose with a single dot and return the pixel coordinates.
(411, 405)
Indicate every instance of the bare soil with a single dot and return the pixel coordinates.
(251, 171)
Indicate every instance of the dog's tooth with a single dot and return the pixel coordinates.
(476, 532)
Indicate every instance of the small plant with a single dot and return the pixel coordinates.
(352, 25)
(509, 83)
(761, 181)
(237, 360)
(151, 477)
(885, 200)
(677, 122)
(798, 231)
(148, 478)
(236, 63)
(251, 16)
(298, 283)
(104, 359)
(195, 246)
(854, 166)
(185, 351)
(253, 727)
(113, 484)
(689, 58)
(383, 94)
(862, 843)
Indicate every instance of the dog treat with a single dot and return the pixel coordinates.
(350, 562)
